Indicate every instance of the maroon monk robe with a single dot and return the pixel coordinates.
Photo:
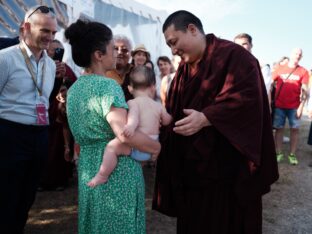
(228, 88)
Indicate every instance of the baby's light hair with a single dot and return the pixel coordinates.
(146, 80)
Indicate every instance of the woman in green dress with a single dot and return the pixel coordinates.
(97, 112)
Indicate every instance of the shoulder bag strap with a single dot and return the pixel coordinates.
(279, 90)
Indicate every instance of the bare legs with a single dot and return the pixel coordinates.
(279, 133)
(294, 133)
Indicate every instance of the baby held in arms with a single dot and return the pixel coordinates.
(145, 115)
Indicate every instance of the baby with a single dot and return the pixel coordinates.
(145, 115)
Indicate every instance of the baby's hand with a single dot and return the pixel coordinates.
(128, 131)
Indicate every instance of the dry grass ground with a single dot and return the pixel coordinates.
(286, 209)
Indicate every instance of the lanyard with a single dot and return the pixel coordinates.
(30, 69)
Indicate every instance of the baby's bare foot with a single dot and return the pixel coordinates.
(97, 180)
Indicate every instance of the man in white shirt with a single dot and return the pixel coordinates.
(26, 80)
(245, 40)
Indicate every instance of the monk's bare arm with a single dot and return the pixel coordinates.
(117, 118)
(192, 123)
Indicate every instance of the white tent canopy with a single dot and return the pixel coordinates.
(140, 23)
(12, 14)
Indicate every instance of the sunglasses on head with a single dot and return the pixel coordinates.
(43, 9)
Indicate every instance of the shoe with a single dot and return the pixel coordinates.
(292, 159)
(279, 157)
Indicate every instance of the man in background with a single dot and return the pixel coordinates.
(26, 81)
(290, 95)
(165, 78)
(245, 40)
(123, 47)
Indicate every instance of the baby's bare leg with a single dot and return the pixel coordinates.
(112, 150)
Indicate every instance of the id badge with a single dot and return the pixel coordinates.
(41, 114)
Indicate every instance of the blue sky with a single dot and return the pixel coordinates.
(276, 26)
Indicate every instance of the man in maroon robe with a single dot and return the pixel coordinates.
(218, 155)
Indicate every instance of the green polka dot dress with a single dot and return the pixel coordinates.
(118, 206)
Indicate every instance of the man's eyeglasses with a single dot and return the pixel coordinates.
(122, 50)
(43, 9)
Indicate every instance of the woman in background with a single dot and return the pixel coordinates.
(140, 55)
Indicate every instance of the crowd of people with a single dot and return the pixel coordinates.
(290, 82)
(206, 123)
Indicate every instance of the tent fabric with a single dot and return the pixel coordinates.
(12, 14)
(140, 23)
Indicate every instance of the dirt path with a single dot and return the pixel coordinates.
(287, 209)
